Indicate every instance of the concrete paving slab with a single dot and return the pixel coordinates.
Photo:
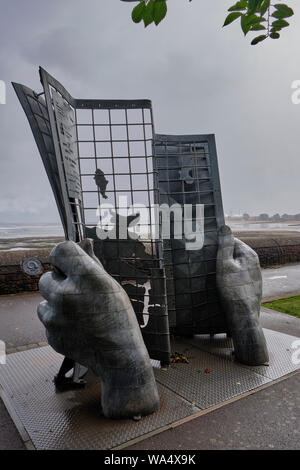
(278, 321)
(265, 420)
(281, 282)
(19, 323)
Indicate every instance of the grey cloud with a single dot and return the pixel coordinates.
(201, 79)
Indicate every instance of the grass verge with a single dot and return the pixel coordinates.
(290, 305)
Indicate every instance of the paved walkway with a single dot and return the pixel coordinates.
(268, 419)
(9, 436)
(280, 322)
(281, 282)
(19, 323)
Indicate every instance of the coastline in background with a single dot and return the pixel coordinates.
(14, 237)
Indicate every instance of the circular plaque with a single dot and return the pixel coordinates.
(32, 266)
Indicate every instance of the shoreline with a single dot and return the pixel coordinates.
(15, 244)
(29, 243)
(245, 222)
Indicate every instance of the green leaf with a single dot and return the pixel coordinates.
(244, 24)
(253, 5)
(275, 29)
(280, 24)
(284, 10)
(280, 14)
(148, 16)
(264, 7)
(275, 35)
(257, 27)
(258, 39)
(242, 5)
(248, 20)
(138, 12)
(256, 19)
(231, 17)
(160, 11)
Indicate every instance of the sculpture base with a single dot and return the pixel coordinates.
(48, 419)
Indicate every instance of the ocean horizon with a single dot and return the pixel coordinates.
(30, 230)
(28, 236)
(44, 230)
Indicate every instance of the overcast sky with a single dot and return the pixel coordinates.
(201, 79)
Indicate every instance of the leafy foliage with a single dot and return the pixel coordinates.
(148, 11)
(260, 15)
(254, 15)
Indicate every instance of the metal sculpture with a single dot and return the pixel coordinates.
(216, 288)
(32, 266)
(95, 151)
(239, 284)
(188, 174)
(98, 151)
(89, 318)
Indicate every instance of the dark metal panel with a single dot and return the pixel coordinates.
(67, 133)
(46, 78)
(188, 173)
(128, 160)
(116, 160)
(219, 212)
(72, 231)
(37, 114)
(112, 104)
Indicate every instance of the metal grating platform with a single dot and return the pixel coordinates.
(73, 420)
(226, 379)
(279, 347)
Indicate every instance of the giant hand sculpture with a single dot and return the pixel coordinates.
(239, 284)
(89, 318)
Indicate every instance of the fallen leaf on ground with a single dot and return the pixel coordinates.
(178, 357)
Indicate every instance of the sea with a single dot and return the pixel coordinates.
(14, 237)
(34, 236)
(264, 226)
(9, 231)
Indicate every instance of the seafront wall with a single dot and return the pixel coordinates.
(273, 250)
(13, 279)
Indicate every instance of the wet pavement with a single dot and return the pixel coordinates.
(281, 282)
(19, 323)
(266, 420)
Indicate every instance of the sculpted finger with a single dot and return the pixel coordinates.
(45, 314)
(88, 246)
(245, 254)
(226, 244)
(50, 286)
(95, 274)
(81, 268)
(73, 262)
(68, 258)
